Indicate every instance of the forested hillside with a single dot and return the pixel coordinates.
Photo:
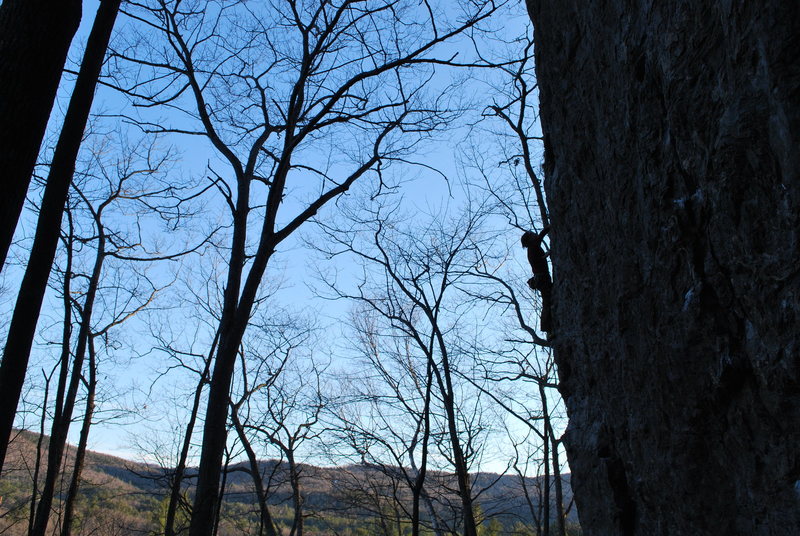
(122, 497)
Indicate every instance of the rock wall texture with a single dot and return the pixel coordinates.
(672, 136)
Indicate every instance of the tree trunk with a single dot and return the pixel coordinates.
(180, 468)
(34, 39)
(215, 436)
(418, 484)
(63, 414)
(31, 293)
(37, 464)
(459, 461)
(561, 529)
(672, 169)
(221, 496)
(233, 323)
(546, 499)
(267, 526)
(297, 496)
(83, 441)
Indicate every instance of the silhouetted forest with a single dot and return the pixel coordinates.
(321, 267)
(279, 231)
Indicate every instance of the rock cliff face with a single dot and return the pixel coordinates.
(673, 174)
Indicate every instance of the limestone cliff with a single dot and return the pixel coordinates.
(672, 133)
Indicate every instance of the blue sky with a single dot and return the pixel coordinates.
(424, 192)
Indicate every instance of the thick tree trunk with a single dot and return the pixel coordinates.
(235, 316)
(215, 435)
(673, 175)
(34, 283)
(34, 39)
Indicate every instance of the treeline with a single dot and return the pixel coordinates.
(230, 139)
(125, 496)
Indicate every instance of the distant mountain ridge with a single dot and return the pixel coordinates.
(337, 492)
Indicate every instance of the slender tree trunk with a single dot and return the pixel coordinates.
(398, 516)
(37, 466)
(435, 524)
(66, 332)
(297, 497)
(221, 496)
(552, 457)
(546, 462)
(418, 487)
(261, 495)
(533, 508)
(34, 40)
(561, 528)
(672, 172)
(80, 453)
(63, 417)
(462, 471)
(382, 517)
(63, 362)
(34, 283)
(180, 468)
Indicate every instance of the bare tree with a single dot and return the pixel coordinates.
(513, 107)
(278, 405)
(132, 182)
(282, 410)
(48, 227)
(385, 415)
(411, 274)
(271, 87)
(388, 418)
(194, 356)
(516, 370)
(176, 479)
(519, 367)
